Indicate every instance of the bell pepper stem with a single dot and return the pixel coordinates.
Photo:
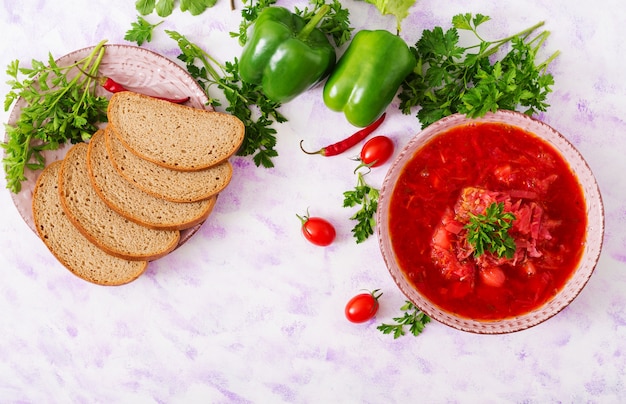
(313, 22)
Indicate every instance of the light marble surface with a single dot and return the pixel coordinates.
(248, 311)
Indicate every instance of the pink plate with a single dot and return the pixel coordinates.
(138, 70)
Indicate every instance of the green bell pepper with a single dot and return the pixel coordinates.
(285, 55)
(368, 76)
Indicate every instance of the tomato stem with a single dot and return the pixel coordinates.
(374, 295)
(367, 165)
(304, 218)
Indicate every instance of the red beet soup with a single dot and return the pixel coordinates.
(457, 176)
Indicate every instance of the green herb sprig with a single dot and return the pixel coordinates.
(164, 8)
(454, 79)
(243, 99)
(249, 14)
(413, 317)
(367, 197)
(59, 108)
(490, 231)
(141, 31)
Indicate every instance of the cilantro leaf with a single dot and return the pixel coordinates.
(468, 22)
(164, 8)
(144, 7)
(367, 197)
(196, 7)
(412, 317)
(490, 231)
(249, 14)
(141, 31)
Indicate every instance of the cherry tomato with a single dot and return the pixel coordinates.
(317, 230)
(362, 307)
(377, 151)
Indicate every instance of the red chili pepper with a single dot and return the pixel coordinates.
(114, 87)
(343, 145)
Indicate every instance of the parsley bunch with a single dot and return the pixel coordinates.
(454, 79)
(243, 99)
(413, 317)
(491, 231)
(367, 197)
(59, 107)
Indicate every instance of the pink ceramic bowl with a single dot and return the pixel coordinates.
(592, 243)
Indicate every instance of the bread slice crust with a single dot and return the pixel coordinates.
(163, 182)
(100, 224)
(175, 136)
(134, 203)
(69, 246)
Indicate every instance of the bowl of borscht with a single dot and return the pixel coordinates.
(490, 225)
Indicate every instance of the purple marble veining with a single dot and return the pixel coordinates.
(11, 11)
(283, 391)
(617, 311)
(587, 114)
(596, 387)
(248, 312)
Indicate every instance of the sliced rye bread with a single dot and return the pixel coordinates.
(73, 250)
(102, 225)
(162, 182)
(173, 135)
(132, 202)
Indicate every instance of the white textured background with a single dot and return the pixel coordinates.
(247, 311)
